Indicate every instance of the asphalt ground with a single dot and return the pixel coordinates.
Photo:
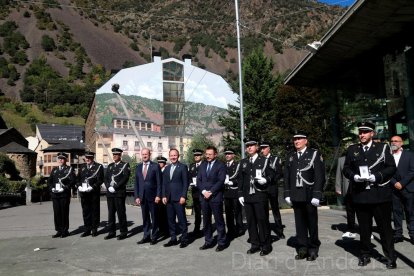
(26, 248)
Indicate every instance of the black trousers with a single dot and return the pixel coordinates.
(197, 211)
(117, 205)
(274, 205)
(403, 202)
(257, 216)
(150, 218)
(61, 213)
(176, 210)
(234, 216)
(350, 214)
(91, 210)
(163, 219)
(382, 214)
(306, 221)
(214, 208)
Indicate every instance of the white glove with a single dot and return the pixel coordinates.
(230, 183)
(60, 190)
(89, 189)
(357, 178)
(53, 190)
(192, 184)
(241, 200)
(261, 180)
(111, 189)
(287, 199)
(371, 178)
(315, 202)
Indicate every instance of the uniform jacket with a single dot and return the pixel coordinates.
(193, 171)
(150, 187)
(405, 172)
(176, 187)
(120, 174)
(214, 182)
(381, 190)
(94, 176)
(275, 164)
(68, 179)
(232, 191)
(247, 173)
(298, 172)
(341, 182)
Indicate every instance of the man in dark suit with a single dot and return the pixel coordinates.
(210, 181)
(90, 179)
(369, 166)
(195, 192)
(273, 189)
(232, 207)
(60, 183)
(403, 192)
(304, 179)
(174, 195)
(116, 178)
(147, 192)
(254, 176)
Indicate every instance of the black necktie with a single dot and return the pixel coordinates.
(208, 168)
(228, 164)
(251, 160)
(366, 148)
(300, 154)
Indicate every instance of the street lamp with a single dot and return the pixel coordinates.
(115, 89)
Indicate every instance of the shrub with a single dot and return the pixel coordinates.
(48, 44)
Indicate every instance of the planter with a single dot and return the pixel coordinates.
(188, 211)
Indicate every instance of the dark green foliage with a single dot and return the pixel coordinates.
(20, 58)
(26, 14)
(179, 44)
(134, 46)
(48, 44)
(128, 64)
(7, 166)
(7, 28)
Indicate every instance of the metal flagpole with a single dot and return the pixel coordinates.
(240, 81)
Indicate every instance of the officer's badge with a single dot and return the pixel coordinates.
(244, 165)
(291, 159)
(356, 153)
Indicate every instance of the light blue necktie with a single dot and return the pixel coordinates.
(208, 168)
(172, 171)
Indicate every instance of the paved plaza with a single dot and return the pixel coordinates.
(27, 248)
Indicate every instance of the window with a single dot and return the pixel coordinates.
(173, 71)
(149, 144)
(160, 146)
(125, 143)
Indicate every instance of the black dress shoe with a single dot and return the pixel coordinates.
(220, 248)
(171, 243)
(311, 257)
(301, 256)
(146, 240)
(412, 240)
(363, 261)
(110, 236)
(391, 264)
(122, 236)
(253, 250)
(265, 252)
(281, 236)
(57, 235)
(94, 233)
(398, 239)
(206, 246)
(153, 241)
(85, 234)
(65, 234)
(183, 244)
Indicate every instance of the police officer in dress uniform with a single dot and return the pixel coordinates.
(162, 209)
(195, 192)
(90, 179)
(304, 178)
(116, 178)
(233, 208)
(370, 166)
(273, 189)
(60, 183)
(254, 176)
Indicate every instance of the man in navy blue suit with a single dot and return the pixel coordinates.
(403, 192)
(148, 195)
(210, 181)
(174, 194)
